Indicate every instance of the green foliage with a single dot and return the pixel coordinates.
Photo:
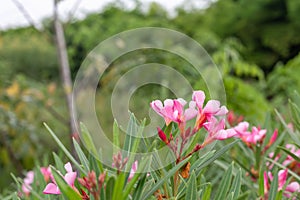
(23, 52)
(267, 28)
(255, 44)
(280, 78)
(245, 99)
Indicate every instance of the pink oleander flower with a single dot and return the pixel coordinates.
(255, 136)
(216, 130)
(173, 110)
(69, 177)
(46, 171)
(28, 180)
(282, 177)
(212, 108)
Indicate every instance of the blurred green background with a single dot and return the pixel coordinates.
(255, 45)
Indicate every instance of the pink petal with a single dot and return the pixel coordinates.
(29, 178)
(212, 107)
(26, 188)
(223, 111)
(157, 106)
(133, 170)
(190, 113)
(266, 183)
(293, 187)
(178, 107)
(199, 97)
(168, 102)
(282, 175)
(181, 101)
(70, 178)
(242, 128)
(224, 134)
(51, 188)
(273, 137)
(68, 167)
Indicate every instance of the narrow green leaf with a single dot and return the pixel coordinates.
(13, 196)
(261, 182)
(130, 133)
(295, 111)
(214, 157)
(295, 175)
(207, 192)
(191, 190)
(84, 161)
(297, 145)
(274, 187)
(279, 195)
(236, 185)
(65, 189)
(95, 164)
(118, 189)
(116, 136)
(159, 183)
(290, 153)
(224, 185)
(87, 139)
(16, 180)
(64, 149)
(140, 187)
(58, 162)
(202, 160)
(244, 195)
(293, 136)
(109, 188)
(102, 193)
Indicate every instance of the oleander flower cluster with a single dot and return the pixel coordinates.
(210, 116)
(189, 127)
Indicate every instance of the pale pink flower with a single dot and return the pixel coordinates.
(253, 137)
(292, 188)
(46, 171)
(212, 108)
(173, 110)
(216, 130)
(28, 180)
(69, 177)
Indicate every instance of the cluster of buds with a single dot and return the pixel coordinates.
(282, 179)
(92, 184)
(118, 162)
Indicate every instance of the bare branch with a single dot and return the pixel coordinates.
(25, 13)
(73, 10)
(64, 70)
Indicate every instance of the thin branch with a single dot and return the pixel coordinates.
(25, 13)
(73, 10)
(65, 72)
